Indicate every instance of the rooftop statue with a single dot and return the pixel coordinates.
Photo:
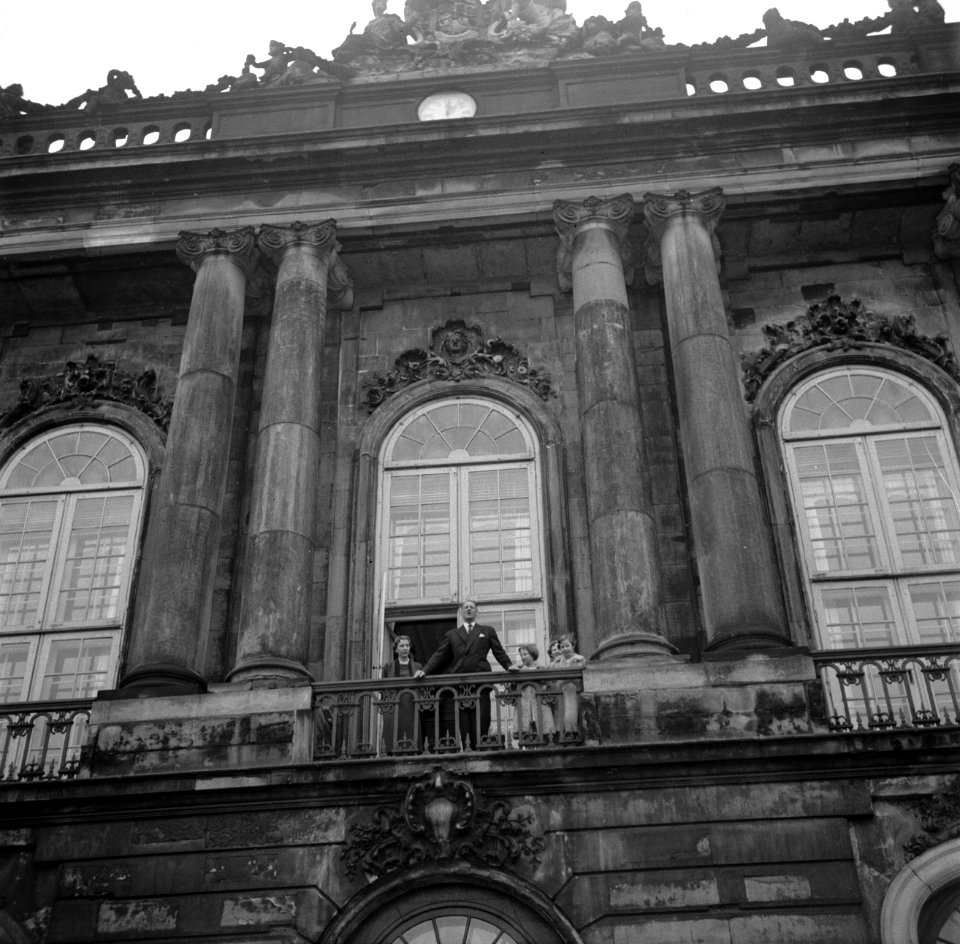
(13, 103)
(113, 93)
(789, 34)
(294, 65)
(535, 20)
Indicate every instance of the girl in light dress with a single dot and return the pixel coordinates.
(535, 717)
(567, 710)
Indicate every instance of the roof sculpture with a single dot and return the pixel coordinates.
(446, 34)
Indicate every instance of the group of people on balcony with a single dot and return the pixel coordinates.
(540, 713)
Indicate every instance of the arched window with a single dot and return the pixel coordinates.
(460, 512)
(70, 513)
(462, 928)
(875, 485)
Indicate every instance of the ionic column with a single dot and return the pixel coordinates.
(175, 595)
(734, 549)
(274, 609)
(623, 542)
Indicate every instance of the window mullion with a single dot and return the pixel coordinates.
(879, 507)
(460, 548)
(54, 570)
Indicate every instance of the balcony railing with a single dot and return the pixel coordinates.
(41, 741)
(877, 689)
(448, 714)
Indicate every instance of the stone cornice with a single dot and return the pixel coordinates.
(660, 209)
(615, 213)
(237, 244)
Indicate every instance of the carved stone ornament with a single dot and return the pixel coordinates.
(839, 326)
(616, 212)
(273, 240)
(458, 353)
(81, 384)
(238, 244)
(441, 817)
(946, 234)
(940, 818)
(659, 209)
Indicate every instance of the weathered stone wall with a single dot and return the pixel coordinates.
(670, 851)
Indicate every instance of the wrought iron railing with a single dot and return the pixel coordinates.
(42, 741)
(448, 714)
(878, 689)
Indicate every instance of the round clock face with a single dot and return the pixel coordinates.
(442, 105)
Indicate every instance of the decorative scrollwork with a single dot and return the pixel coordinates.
(940, 818)
(458, 352)
(838, 325)
(442, 817)
(81, 384)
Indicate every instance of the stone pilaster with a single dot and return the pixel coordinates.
(277, 586)
(738, 577)
(592, 260)
(172, 612)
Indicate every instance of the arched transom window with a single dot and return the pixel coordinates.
(460, 513)
(875, 485)
(70, 509)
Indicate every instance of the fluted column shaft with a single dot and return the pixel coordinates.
(738, 578)
(622, 529)
(175, 595)
(274, 611)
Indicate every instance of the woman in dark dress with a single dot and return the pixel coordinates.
(400, 730)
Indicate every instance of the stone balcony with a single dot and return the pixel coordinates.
(231, 728)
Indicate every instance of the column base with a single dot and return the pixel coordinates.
(270, 672)
(156, 679)
(728, 644)
(647, 646)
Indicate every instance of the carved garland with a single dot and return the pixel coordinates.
(81, 384)
(458, 352)
(836, 325)
(441, 817)
(940, 818)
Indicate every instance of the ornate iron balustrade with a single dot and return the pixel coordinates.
(445, 715)
(879, 689)
(42, 741)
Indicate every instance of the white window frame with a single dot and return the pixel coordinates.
(458, 469)
(46, 628)
(891, 574)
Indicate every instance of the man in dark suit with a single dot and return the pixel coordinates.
(465, 649)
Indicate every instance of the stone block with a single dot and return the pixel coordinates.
(812, 839)
(761, 888)
(676, 931)
(137, 917)
(643, 848)
(258, 911)
(799, 929)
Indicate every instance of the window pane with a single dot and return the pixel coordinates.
(93, 566)
(418, 551)
(13, 670)
(858, 617)
(76, 668)
(836, 511)
(936, 607)
(26, 528)
(922, 503)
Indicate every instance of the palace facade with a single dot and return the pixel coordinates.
(645, 344)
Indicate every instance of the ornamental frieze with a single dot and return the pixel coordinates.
(836, 325)
(940, 818)
(458, 352)
(81, 384)
(441, 817)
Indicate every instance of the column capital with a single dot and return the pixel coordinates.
(238, 244)
(660, 209)
(615, 213)
(946, 233)
(276, 239)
